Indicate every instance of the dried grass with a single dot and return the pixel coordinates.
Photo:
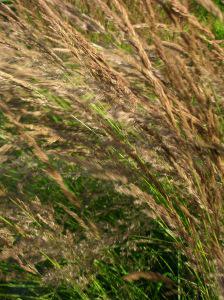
(177, 136)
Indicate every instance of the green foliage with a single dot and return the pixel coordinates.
(217, 26)
(218, 29)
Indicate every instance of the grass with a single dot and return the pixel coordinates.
(217, 25)
(111, 155)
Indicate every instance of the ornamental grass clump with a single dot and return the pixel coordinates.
(111, 148)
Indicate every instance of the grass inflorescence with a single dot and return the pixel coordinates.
(111, 149)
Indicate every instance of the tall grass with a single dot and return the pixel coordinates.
(111, 144)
